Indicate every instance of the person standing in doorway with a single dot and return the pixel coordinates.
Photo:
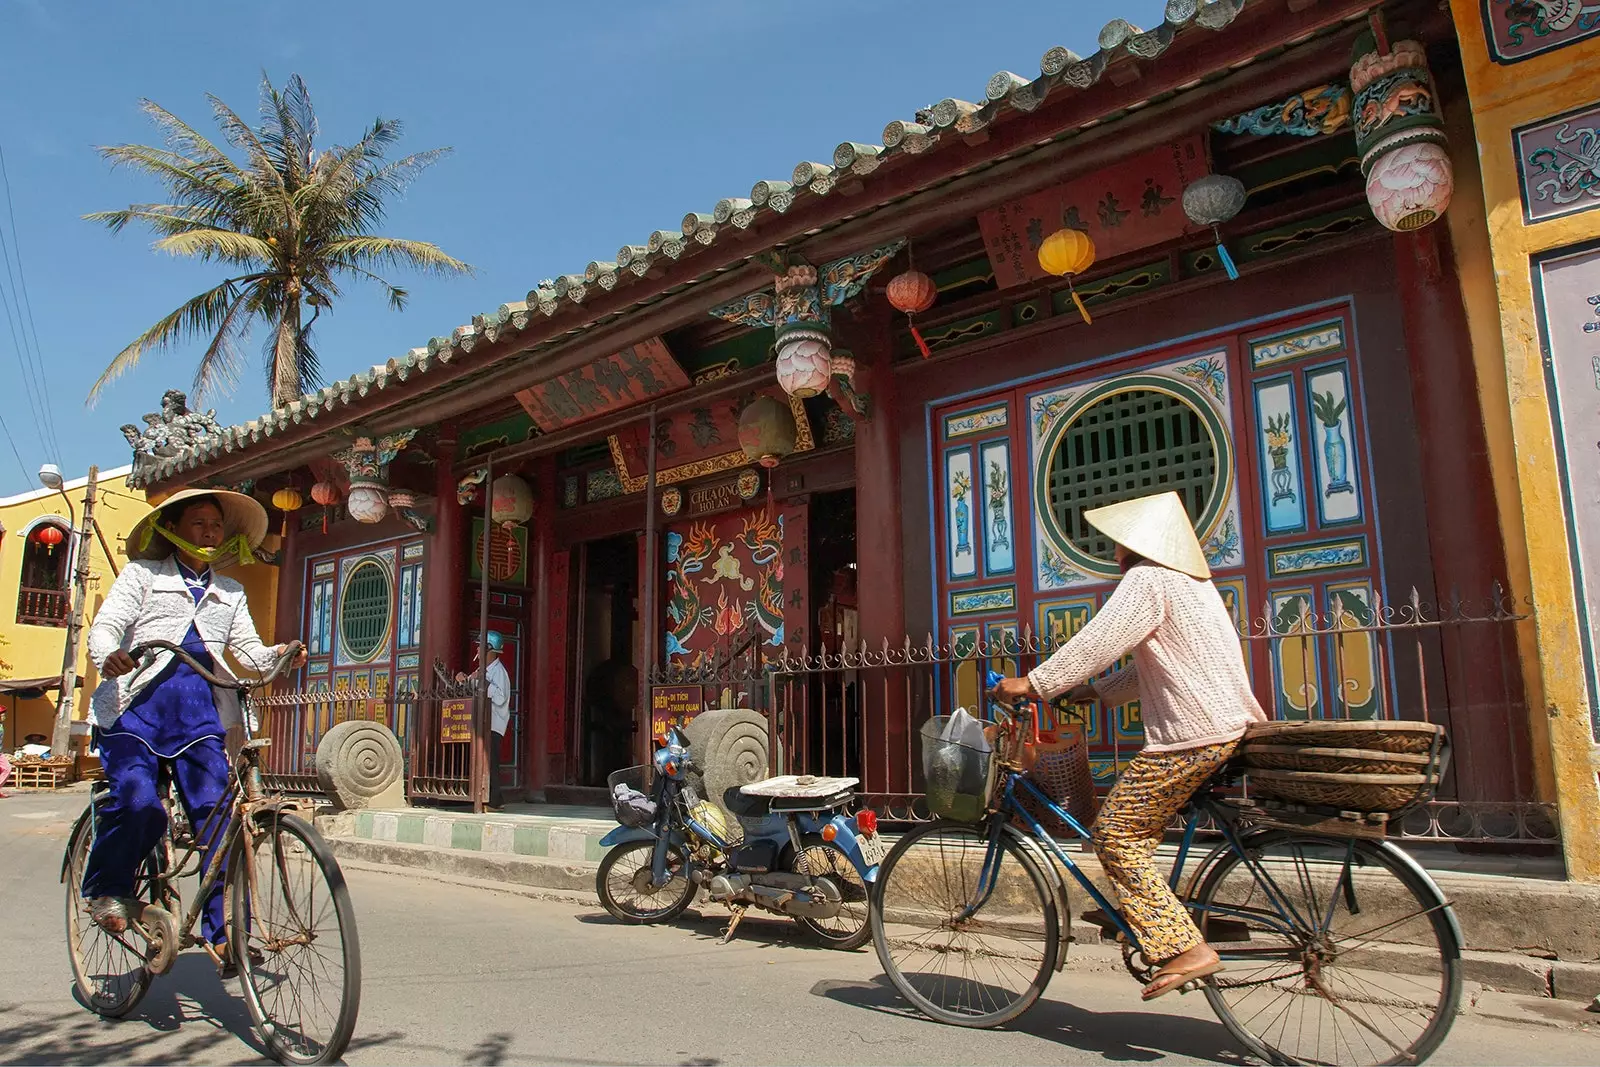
(499, 686)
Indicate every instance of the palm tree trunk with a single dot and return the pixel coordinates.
(286, 352)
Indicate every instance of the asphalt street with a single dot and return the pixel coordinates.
(460, 973)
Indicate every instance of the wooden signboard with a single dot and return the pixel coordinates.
(455, 722)
(674, 705)
(1125, 207)
(629, 377)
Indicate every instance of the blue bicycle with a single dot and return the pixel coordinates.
(1338, 948)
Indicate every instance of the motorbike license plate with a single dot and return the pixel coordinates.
(872, 849)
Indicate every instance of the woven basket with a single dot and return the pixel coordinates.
(1064, 776)
(1365, 793)
(1417, 738)
(1258, 756)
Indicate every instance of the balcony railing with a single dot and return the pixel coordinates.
(43, 607)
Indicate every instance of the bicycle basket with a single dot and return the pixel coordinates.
(631, 790)
(1365, 767)
(959, 776)
(1062, 773)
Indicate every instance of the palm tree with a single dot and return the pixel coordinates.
(293, 221)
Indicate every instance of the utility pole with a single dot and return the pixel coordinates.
(61, 743)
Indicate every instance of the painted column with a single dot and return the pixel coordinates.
(540, 712)
(880, 571)
(1482, 677)
(287, 614)
(445, 572)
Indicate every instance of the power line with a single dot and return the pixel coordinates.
(20, 296)
(21, 466)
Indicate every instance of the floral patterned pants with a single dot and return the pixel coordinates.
(1152, 789)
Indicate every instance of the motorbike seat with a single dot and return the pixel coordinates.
(743, 805)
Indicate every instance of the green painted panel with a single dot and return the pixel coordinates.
(486, 438)
(1116, 286)
(741, 352)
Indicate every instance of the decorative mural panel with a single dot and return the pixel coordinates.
(1337, 490)
(1060, 620)
(962, 558)
(725, 578)
(1238, 605)
(363, 624)
(1317, 556)
(999, 556)
(508, 554)
(1355, 667)
(968, 675)
(1296, 673)
(1567, 288)
(972, 422)
(1283, 486)
(1519, 29)
(1002, 640)
(692, 444)
(1558, 164)
(629, 377)
(1317, 339)
(1129, 205)
(983, 601)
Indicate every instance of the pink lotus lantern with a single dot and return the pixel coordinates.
(805, 361)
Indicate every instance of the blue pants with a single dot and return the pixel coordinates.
(130, 818)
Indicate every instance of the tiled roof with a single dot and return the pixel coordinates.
(698, 234)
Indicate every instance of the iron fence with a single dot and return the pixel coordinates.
(858, 713)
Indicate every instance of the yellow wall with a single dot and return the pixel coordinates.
(1504, 97)
(36, 651)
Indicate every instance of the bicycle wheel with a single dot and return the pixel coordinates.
(109, 969)
(1346, 953)
(982, 970)
(623, 882)
(293, 938)
(849, 929)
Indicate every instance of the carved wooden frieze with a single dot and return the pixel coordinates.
(1520, 29)
(1558, 164)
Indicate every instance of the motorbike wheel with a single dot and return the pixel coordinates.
(849, 929)
(623, 883)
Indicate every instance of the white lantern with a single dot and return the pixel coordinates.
(804, 362)
(1410, 187)
(510, 501)
(366, 502)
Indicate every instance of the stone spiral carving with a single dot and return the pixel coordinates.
(360, 765)
(730, 748)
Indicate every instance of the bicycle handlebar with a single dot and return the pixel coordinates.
(290, 652)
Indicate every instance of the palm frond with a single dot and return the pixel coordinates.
(369, 251)
(187, 142)
(240, 134)
(288, 128)
(397, 295)
(204, 190)
(219, 367)
(198, 315)
(162, 218)
(226, 245)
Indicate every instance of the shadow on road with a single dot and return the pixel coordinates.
(1105, 1034)
(763, 931)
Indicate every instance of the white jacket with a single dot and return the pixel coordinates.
(499, 696)
(150, 601)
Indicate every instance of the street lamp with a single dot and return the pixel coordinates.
(50, 478)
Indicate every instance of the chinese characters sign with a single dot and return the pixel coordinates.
(455, 722)
(1129, 206)
(618, 381)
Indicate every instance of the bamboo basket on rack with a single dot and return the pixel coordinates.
(1371, 768)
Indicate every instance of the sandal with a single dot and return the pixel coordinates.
(1166, 981)
(109, 913)
(229, 968)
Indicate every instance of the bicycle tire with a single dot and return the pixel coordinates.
(1345, 1034)
(844, 933)
(890, 908)
(132, 984)
(675, 905)
(282, 839)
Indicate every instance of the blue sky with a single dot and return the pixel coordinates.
(577, 128)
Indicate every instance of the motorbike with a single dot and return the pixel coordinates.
(791, 849)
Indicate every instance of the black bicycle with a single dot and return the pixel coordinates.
(291, 928)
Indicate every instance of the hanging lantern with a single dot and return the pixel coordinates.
(804, 361)
(288, 499)
(368, 502)
(49, 536)
(843, 365)
(1211, 201)
(1399, 132)
(510, 501)
(326, 493)
(767, 431)
(402, 499)
(913, 292)
(1065, 253)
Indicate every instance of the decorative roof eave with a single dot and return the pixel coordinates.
(1060, 70)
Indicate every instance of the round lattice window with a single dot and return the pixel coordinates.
(1128, 440)
(364, 609)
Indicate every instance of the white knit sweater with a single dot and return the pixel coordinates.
(1188, 671)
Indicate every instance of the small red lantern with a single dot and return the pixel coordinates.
(49, 536)
(328, 495)
(912, 292)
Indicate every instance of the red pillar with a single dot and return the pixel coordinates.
(880, 572)
(286, 615)
(541, 713)
(445, 576)
(1488, 718)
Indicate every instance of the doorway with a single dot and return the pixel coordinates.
(607, 657)
(835, 746)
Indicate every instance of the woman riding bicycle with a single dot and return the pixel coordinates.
(1194, 696)
(164, 711)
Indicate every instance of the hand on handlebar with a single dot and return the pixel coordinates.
(1013, 690)
(300, 656)
(117, 664)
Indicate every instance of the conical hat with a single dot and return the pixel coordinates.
(1157, 527)
(240, 515)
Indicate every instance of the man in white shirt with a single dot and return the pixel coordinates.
(499, 685)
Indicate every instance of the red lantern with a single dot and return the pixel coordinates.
(49, 536)
(327, 494)
(912, 292)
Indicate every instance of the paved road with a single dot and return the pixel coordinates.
(463, 974)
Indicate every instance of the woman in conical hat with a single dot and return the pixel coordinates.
(164, 711)
(1194, 696)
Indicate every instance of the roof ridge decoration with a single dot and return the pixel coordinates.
(1059, 69)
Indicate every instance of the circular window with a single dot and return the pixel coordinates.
(1124, 441)
(364, 609)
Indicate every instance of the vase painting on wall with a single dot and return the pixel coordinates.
(1337, 498)
(1282, 481)
(995, 460)
(962, 561)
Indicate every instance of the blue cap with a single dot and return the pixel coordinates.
(495, 641)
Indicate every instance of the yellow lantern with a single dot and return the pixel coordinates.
(1065, 253)
(288, 499)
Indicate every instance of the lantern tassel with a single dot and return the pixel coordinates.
(1077, 302)
(922, 346)
(1222, 254)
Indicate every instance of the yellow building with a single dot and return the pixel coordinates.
(36, 593)
(1535, 100)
